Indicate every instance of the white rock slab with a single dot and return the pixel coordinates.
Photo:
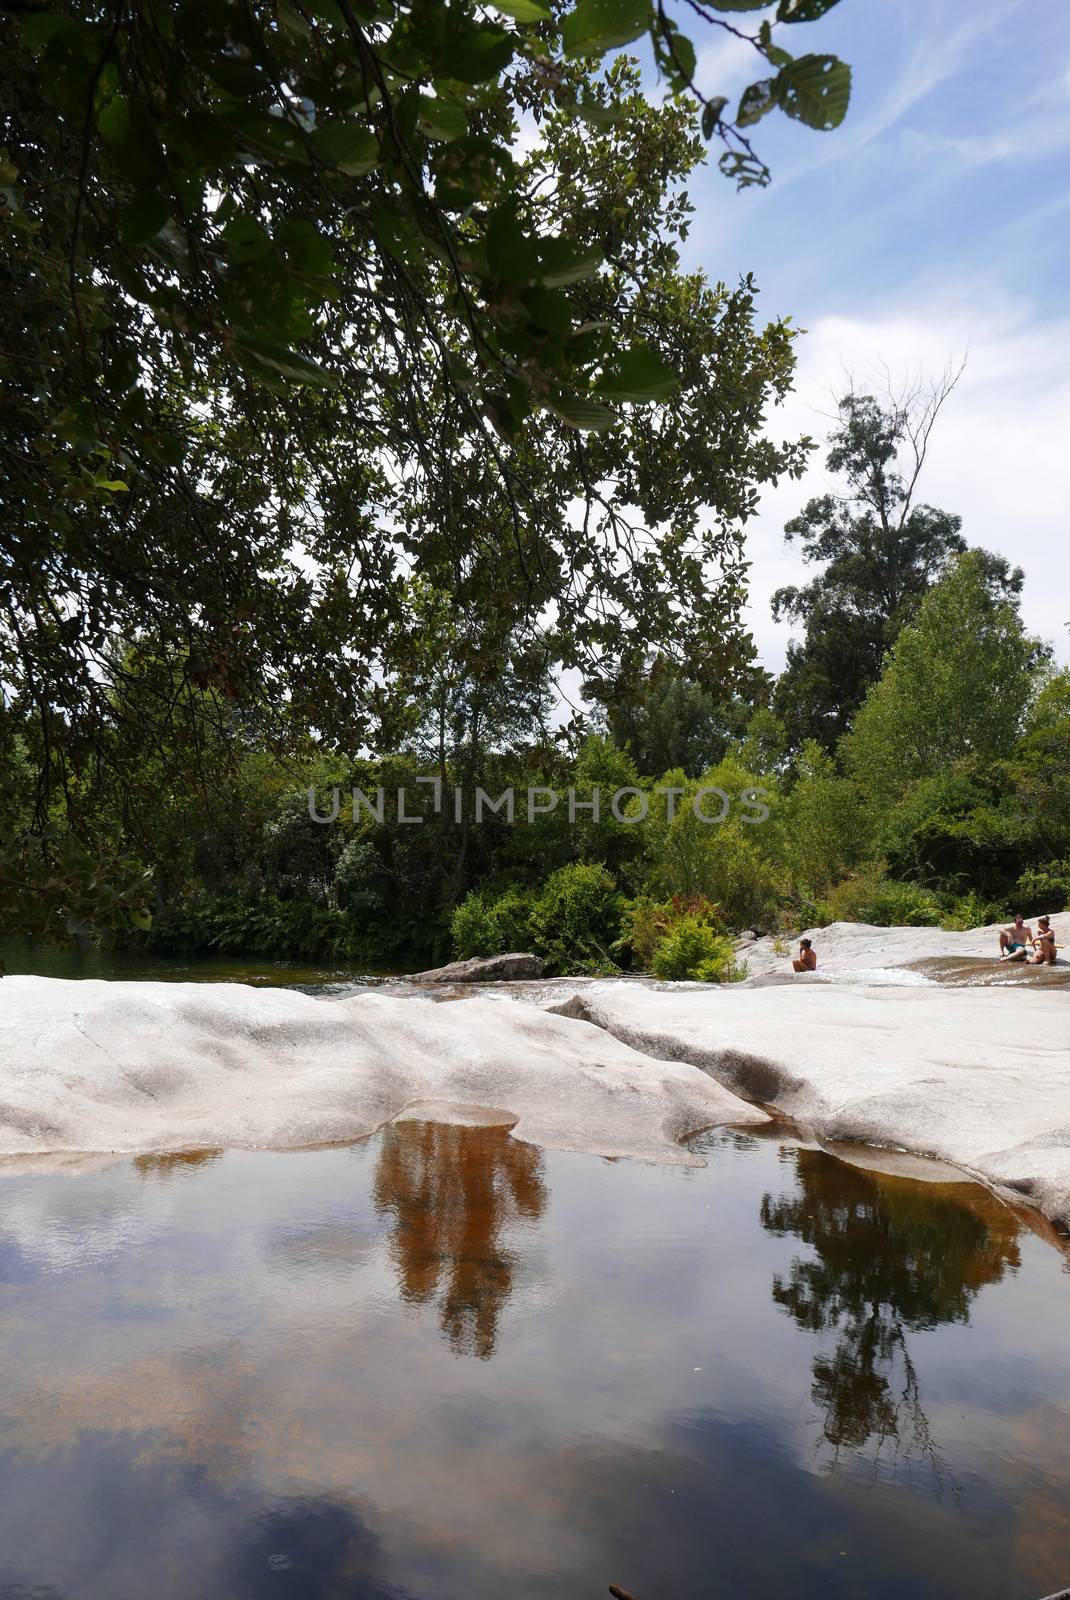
(101, 1066)
(979, 1078)
(858, 947)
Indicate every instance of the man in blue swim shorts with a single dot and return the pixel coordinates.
(1015, 940)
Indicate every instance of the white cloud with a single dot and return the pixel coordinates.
(999, 451)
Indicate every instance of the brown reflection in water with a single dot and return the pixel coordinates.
(893, 1257)
(452, 1191)
(169, 1163)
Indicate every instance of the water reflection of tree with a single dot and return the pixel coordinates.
(892, 1257)
(167, 1163)
(452, 1192)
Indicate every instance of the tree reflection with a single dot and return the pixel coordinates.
(892, 1257)
(453, 1191)
(167, 1163)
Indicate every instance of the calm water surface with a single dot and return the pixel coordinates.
(71, 961)
(447, 1366)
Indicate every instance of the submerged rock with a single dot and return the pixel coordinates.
(136, 1067)
(978, 1078)
(484, 969)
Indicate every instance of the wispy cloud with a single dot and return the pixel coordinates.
(998, 456)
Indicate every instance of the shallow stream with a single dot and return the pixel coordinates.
(444, 1365)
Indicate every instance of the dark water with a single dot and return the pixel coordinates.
(447, 1366)
(71, 961)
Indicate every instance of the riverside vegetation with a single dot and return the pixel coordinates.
(346, 418)
(946, 801)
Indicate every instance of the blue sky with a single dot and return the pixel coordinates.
(934, 224)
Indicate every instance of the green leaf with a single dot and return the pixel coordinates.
(274, 137)
(510, 253)
(560, 263)
(738, 5)
(144, 217)
(259, 354)
(548, 309)
(307, 251)
(438, 119)
(815, 90)
(576, 412)
(113, 120)
(803, 10)
(478, 55)
(246, 240)
(600, 116)
(141, 919)
(111, 485)
(524, 10)
(128, 131)
(677, 57)
(595, 26)
(351, 147)
(640, 375)
(756, 100)
(711, 115)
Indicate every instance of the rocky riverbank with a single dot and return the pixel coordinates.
(979, 1078)
(869, 1049)
(138, 1067)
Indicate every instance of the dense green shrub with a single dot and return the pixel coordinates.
(473, 930)
(692, 949)
(646, 923)
(1047, 886)
(869, 896)
(576, 918)
(481, 927)
(973, 911)
(736, 863)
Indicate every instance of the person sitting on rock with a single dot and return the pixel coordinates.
(1014, 941)
(806, 960)
(1044, 945)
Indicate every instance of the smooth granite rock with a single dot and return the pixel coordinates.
(99, 1066)
(858, 951)
(979, 1078)
(484, 969)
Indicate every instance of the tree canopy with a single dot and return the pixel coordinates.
(882, 550)
(305, 302)
(957, 684)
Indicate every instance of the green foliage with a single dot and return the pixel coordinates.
(681, 938)
(481, 927)
(644, 924)
(575, 919)
(825, 826)
(691, 949)
(956, 684)
(671, 721)
(473, 930)
(251, 258)
(1047, 885)
(736, 863)
(869, 896)
(972, 910)
(959, 829)
(881, 552)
